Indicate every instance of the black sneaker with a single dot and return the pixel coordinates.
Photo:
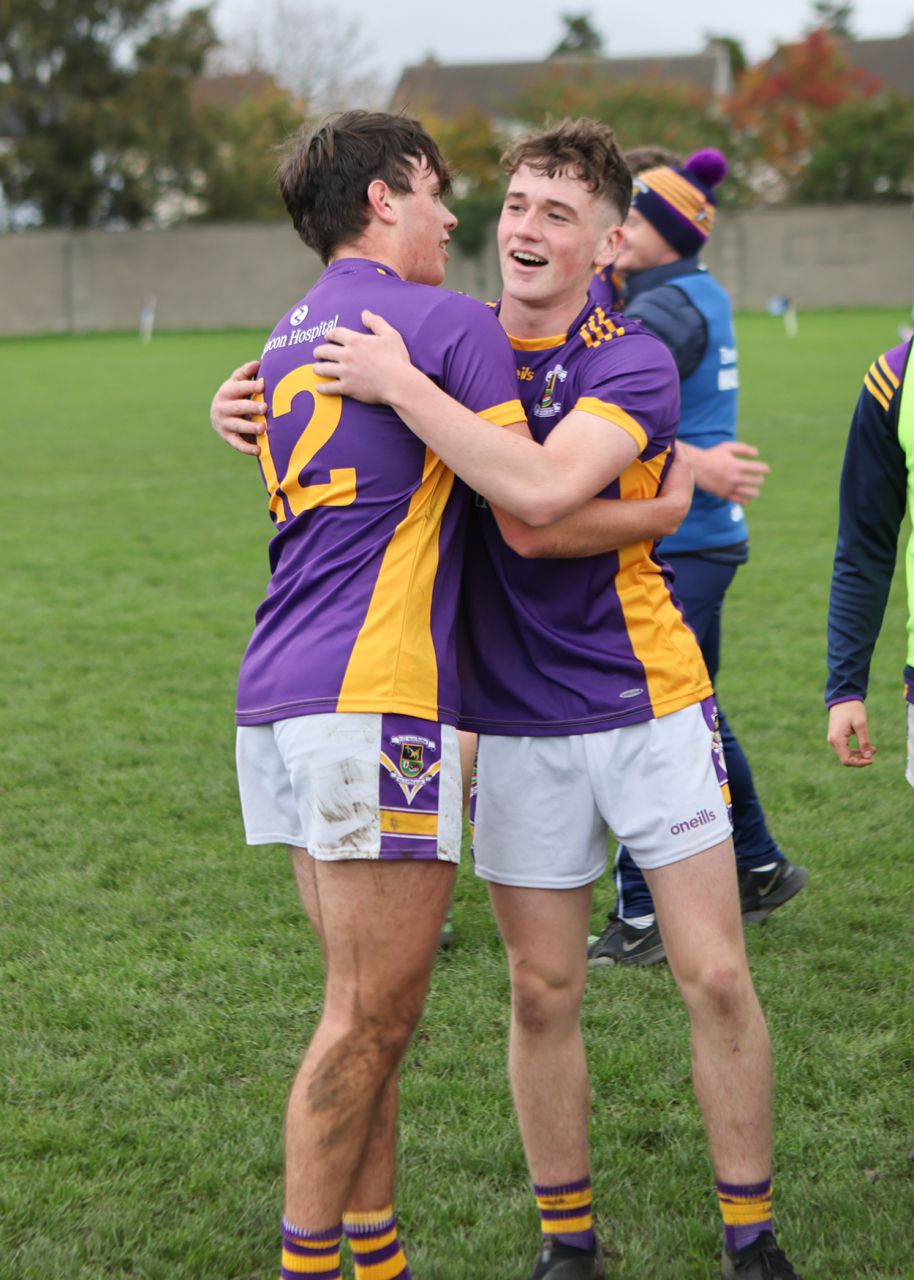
(761, 1260)
(760, 892)
(559, 1261)
(621, 943)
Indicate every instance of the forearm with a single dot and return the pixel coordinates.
(856, 608)
(599, 526)
(511, 472)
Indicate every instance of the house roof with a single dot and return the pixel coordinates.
(890, 59)
(495, 88)
(228, 90)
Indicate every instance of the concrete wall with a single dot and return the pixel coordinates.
(854, 256)
(247, 276)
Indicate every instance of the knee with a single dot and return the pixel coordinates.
(380, 1031)
(720, 988)
(543, 1000)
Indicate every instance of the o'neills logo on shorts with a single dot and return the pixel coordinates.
(701, 819)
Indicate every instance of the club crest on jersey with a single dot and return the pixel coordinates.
(409, 771)
(549, 406)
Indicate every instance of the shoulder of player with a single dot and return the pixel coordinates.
(456, 308)
(884, 376)
(631, 346)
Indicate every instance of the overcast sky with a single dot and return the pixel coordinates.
(400, 32)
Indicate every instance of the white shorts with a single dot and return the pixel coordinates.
(544, 807)
(909, 772)
(349, 785)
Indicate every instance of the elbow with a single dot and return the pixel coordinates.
(527, 542)
(541, 510)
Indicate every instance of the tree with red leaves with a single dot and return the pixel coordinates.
(781, 103)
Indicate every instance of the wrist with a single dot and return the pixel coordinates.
(402, 382)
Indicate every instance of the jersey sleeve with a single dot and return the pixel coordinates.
(680, 326)
(632, 382)
(475, 361)
(872, 505)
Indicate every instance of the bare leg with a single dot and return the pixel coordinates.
(379, 926)
(545, 934)
(374, 1185)
(699, 915)
(467, 743)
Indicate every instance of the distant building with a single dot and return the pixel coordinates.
(226, 90)
(890, 60)
(449, 90)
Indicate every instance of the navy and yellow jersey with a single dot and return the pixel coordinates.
(557, 647)
(360, 611)
(877, 482)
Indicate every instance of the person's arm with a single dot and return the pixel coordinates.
(539, 484)
(728, 469)
(236, 413)
(871, 509)
(606, 524)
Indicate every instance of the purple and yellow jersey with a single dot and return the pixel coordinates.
(606, 290)
(361, 606)
(558, 647)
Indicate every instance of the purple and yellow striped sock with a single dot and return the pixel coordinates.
(746, 1212)
(566, 1213)
(376, 1249)
(314, 1255)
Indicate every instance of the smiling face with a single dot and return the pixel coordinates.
(424, 224)
(643, 246)
(552, 235)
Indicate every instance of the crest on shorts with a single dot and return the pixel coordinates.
(412, 759)
(409, 771)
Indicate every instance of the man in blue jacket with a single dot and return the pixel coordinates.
(674, 295)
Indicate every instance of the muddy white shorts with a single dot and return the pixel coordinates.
(352, 786)
(544, 807)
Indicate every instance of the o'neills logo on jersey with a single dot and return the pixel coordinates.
(549, 406)
(701, 819)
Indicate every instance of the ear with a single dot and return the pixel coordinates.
(608, 248)
(380, 202)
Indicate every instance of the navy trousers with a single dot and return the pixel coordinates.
(701, 586)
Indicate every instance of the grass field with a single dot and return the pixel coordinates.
(157, 981)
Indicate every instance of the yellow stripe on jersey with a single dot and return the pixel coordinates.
(503, 415)
(673, 666)
(393, 661)
(538, 344)
(880, 380)
(612, 413)
(269, 474)
(886, 368)
(399, 822)
(872, 387)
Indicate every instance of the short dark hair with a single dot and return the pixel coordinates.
(652, 156)
(324, 176)
(584, 148)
